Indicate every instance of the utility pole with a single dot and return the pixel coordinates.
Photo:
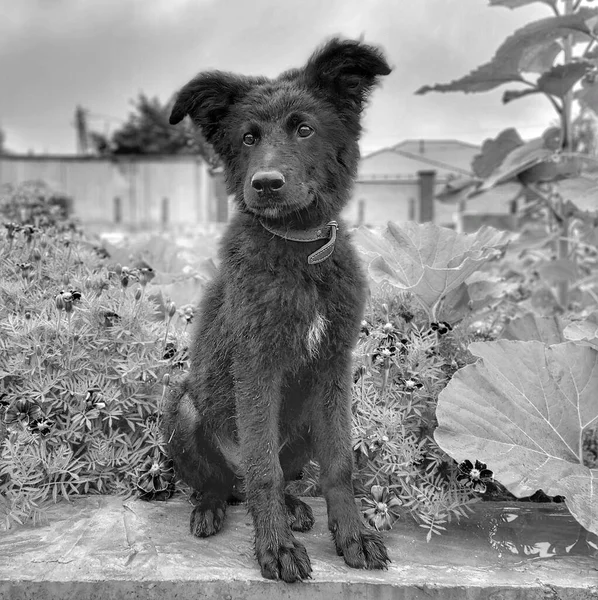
(81, 130)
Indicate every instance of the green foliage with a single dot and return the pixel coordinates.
(82, 363)
(402, 365)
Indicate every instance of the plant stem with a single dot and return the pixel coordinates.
(563, 244)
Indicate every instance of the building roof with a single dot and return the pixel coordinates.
(403, 160)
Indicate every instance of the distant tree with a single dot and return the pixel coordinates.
(147, 131)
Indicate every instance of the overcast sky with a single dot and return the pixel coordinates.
(55, 54)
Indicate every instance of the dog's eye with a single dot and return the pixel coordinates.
(305, 131)
(249, 139)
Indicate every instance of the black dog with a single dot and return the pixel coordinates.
(270, 378)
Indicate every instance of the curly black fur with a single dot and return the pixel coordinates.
(269, 385)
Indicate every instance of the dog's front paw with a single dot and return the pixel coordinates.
(362, 549)
(207, 518)
(299, 514)
(287, 560)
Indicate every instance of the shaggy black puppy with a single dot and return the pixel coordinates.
(270, 379)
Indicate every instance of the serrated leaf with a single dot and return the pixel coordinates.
(510, 58)
(559, 80)
(494, 151)
(540, 58)
(517, 3)
(511, 95)
(522, 410)
(518, 160)
(532, 327)
(427, 260)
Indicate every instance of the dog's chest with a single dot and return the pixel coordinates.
(315, 333)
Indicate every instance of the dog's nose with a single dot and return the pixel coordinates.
(267, 181)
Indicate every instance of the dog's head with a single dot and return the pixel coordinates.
(289, 145)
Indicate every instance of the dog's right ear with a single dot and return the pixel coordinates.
(207, 99)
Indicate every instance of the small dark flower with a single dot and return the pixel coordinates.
(42, 426)
(382, 508)
(110, 318)
(23, 410)
(25, 269)
(93, 399)
(76, 294)
(145, 273)
(476, 477)
(411, 384)
(29, 232)
(365, 328)
(11, 229)
(383, 356)
(441, 327)
(170, 351)
(155, 479)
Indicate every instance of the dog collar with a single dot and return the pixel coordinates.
(325, 232)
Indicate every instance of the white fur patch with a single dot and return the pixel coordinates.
(315, 333)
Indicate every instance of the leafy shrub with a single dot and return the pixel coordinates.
(82, 365)
(402, 366)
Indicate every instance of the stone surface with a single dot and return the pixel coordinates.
(104, 547)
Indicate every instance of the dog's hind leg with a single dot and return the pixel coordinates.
(359, 546)
(198, 462)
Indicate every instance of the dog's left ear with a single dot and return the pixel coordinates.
(346, 71)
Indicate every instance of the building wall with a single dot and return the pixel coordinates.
(140, 183)
(398, 200)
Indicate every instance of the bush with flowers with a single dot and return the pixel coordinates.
(85, 359)
(89, 344)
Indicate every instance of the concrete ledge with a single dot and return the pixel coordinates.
(106, 548)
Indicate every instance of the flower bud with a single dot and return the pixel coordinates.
(59, 302)
(37, 255)
(137, 294)
(65, 279)
(118, 269)
(171, 308)
(166, 379)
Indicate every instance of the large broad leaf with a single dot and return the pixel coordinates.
(522, 409)
(494, 151)
(559, 80)
(509, 61)
(531, 326)
(518, 160)
(425, 259)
